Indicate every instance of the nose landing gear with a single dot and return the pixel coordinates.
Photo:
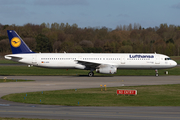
(156, 73)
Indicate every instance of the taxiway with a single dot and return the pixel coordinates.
(43, 83)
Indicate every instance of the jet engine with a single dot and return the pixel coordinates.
(107, 70)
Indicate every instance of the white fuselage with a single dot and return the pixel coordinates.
(118, 60)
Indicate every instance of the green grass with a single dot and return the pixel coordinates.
(155, 95)
(24, 70)
(14, 80)
(24, 119)
(4, 61)
(172, 71)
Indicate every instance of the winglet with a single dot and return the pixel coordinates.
(18, 46)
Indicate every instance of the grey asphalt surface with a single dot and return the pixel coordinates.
(42, 83)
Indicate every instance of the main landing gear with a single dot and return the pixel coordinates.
(90, 74)
(156, 73)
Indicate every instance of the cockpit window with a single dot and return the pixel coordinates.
(167, 58)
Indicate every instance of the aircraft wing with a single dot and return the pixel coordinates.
(94, 65)
(88, 64)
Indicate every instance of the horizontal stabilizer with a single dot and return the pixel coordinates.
(11, 57)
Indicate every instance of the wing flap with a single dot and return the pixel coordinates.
(87, 63)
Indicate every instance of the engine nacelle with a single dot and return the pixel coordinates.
(82, 67)
(107, 70)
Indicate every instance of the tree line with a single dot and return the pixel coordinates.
(164, 39)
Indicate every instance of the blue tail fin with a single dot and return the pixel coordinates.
(17, 44)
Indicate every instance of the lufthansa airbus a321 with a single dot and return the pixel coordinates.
(106, 63)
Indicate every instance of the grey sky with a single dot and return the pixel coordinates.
(91, 13)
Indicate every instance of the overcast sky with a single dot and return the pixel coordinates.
(91, 13)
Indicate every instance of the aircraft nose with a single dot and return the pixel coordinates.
(174, 63)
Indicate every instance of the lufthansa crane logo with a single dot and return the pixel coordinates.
(15, 42)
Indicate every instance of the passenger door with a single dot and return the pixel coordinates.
(34, 59)
(122, 59)
(157, 59)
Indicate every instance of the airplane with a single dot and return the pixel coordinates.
(105, 63)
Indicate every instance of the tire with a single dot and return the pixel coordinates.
(157, 74)
(90, 74)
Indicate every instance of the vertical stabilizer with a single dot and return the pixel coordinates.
(18, 46)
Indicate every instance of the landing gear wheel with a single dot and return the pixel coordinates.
(157, 74)
(90, 74)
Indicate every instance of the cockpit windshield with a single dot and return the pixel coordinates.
(167, 58)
